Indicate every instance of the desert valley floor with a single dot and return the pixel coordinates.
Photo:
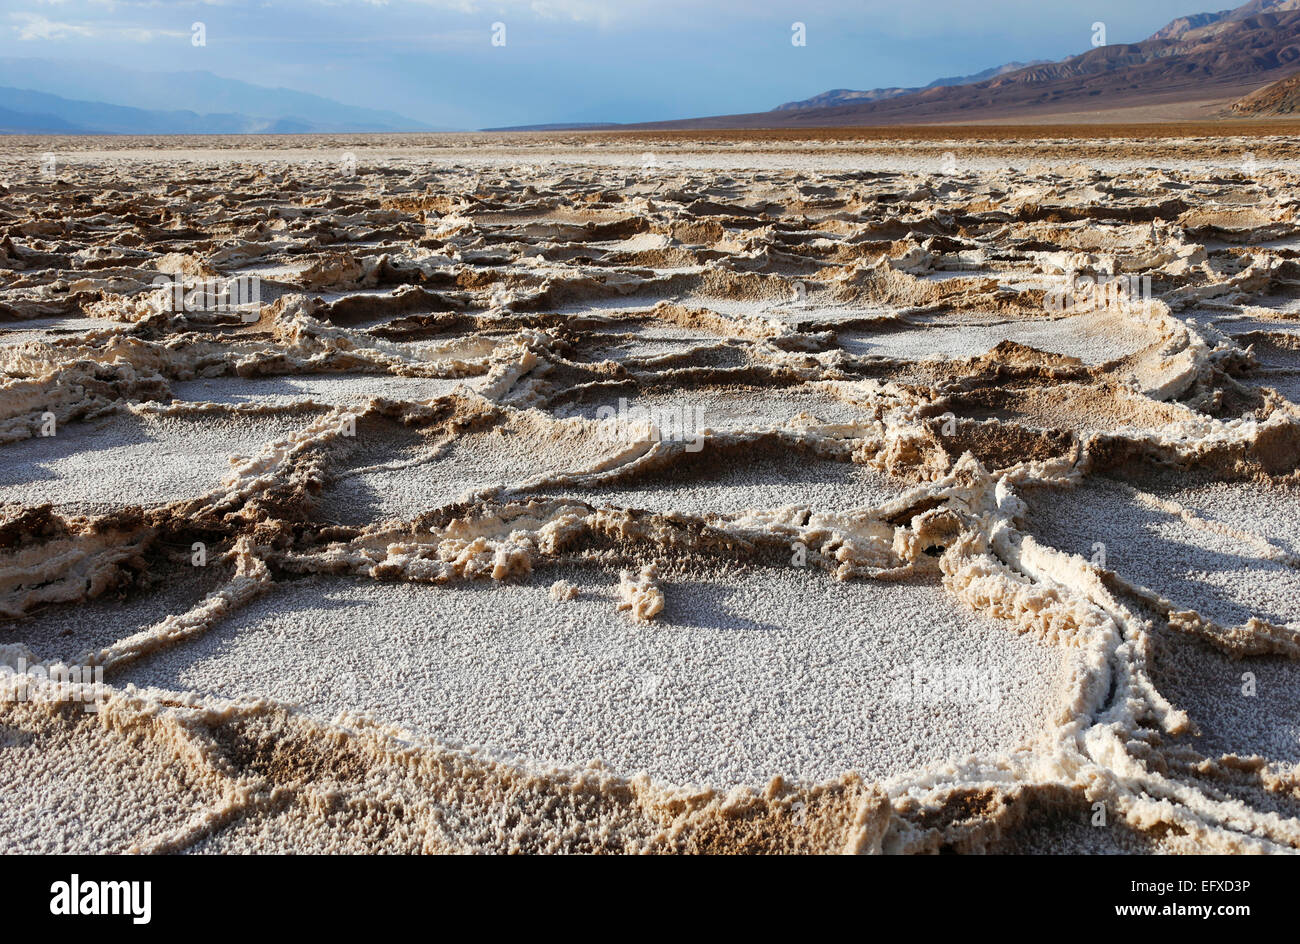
(650, 494)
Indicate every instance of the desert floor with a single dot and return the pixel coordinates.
(652, 493)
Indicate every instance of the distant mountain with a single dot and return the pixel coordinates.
(562, 126)
(26, 112)
(21, 122)
(1195, 66)
(1280, 98)
(1185, 24)
(232, 105)
(849, 96)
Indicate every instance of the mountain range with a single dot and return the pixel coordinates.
(850, 96)
(1280, 98)
(1233, 64)
(1206, 65)
(73, 98)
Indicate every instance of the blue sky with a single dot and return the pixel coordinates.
(571, 60)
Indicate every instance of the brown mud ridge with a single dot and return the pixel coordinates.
(589, 508)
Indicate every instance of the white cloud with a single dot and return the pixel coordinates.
(33, 26)
(138, 35)
(581, 11)
(604, 12)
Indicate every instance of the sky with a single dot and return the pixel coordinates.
(572, 60)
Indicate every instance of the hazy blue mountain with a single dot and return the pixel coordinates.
(19, 122)
(195, 93)
(27, 112)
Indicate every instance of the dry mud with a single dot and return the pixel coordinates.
(680, 505)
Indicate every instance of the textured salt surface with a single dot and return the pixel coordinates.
(1213, 688)
(1078, 408)
(48, 330)
(66, 785)
(1287, 384)
(1091, 340)
(746, 675)
(1271, 513)
(1221, 576)
(383, 481)
(65, 631)
(322, 389)
(636, 349)
(744, 483)
(842, 602)
(128, 459)
(1076, 836)
(729, 408)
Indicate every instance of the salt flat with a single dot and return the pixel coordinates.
(789, 495)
